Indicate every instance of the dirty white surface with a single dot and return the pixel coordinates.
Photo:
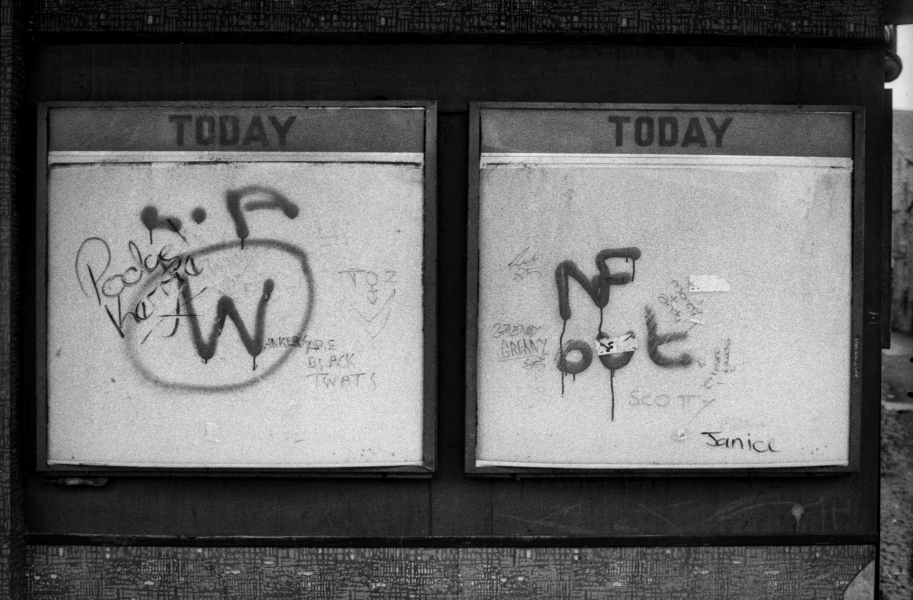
(767, 378)
(333, 379)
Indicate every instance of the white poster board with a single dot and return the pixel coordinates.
(243, 290)
(650, 303)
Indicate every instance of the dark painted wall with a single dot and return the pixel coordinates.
(450, 504)
(848, 19)
(850, 72)
(768, 573)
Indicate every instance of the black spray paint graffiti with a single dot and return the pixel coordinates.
(164, 273)
(225, 309)
(656, 339)
(110, 290)
(150, 218)
(599, 289)
(615, 353)
(274, 200)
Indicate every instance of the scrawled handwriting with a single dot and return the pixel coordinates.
(368, 282)
(716, 439)
(306, 343)
(332, 381)
(534, 364)
(523, 348)
(374, 291)
(721, 365)
(154, 292)
(344, 360)
(525, 265)
(683, 402)
(680, 306)
(170, 272)
(514, 330)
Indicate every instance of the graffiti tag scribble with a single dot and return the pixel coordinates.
(599, 290)
(151, 220)
(206, 347)
(655, 340)
(372, 320)
(225, 308)
(523, 266)
(680, 305)
(88, 265)
(534, 363)
(109, 290)
(160, 284)
(721, 365)
(270, 199)
(376, 323)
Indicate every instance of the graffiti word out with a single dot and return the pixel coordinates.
(718, 440)
(373, 291)
(524, 266)
(577, 355)
(329, 381)
(304, 342)
(175, 271)
(681, 401)
(333, 361)
(229, 130)
(514, 330)
(680, 305)
(721, 364)
(669, 131)
(534, 364)
(368, 281)
(522, 348)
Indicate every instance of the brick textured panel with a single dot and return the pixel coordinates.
(799, 18)
(770, 572)
(12, 81)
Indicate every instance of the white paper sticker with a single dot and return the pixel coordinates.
(707, 283)
(625, 343)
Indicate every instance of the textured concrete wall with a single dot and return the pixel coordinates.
(12, 80)
(818, 18)
(902, 223)
(770, 572)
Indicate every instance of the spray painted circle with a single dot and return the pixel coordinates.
(178, 362)
(576, 366)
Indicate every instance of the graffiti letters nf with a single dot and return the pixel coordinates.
(599, 290)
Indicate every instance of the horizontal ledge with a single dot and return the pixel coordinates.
(646, 541)
(152, 156)
(266, 468)
(44, 31)
(550, 159)
(648, 466)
